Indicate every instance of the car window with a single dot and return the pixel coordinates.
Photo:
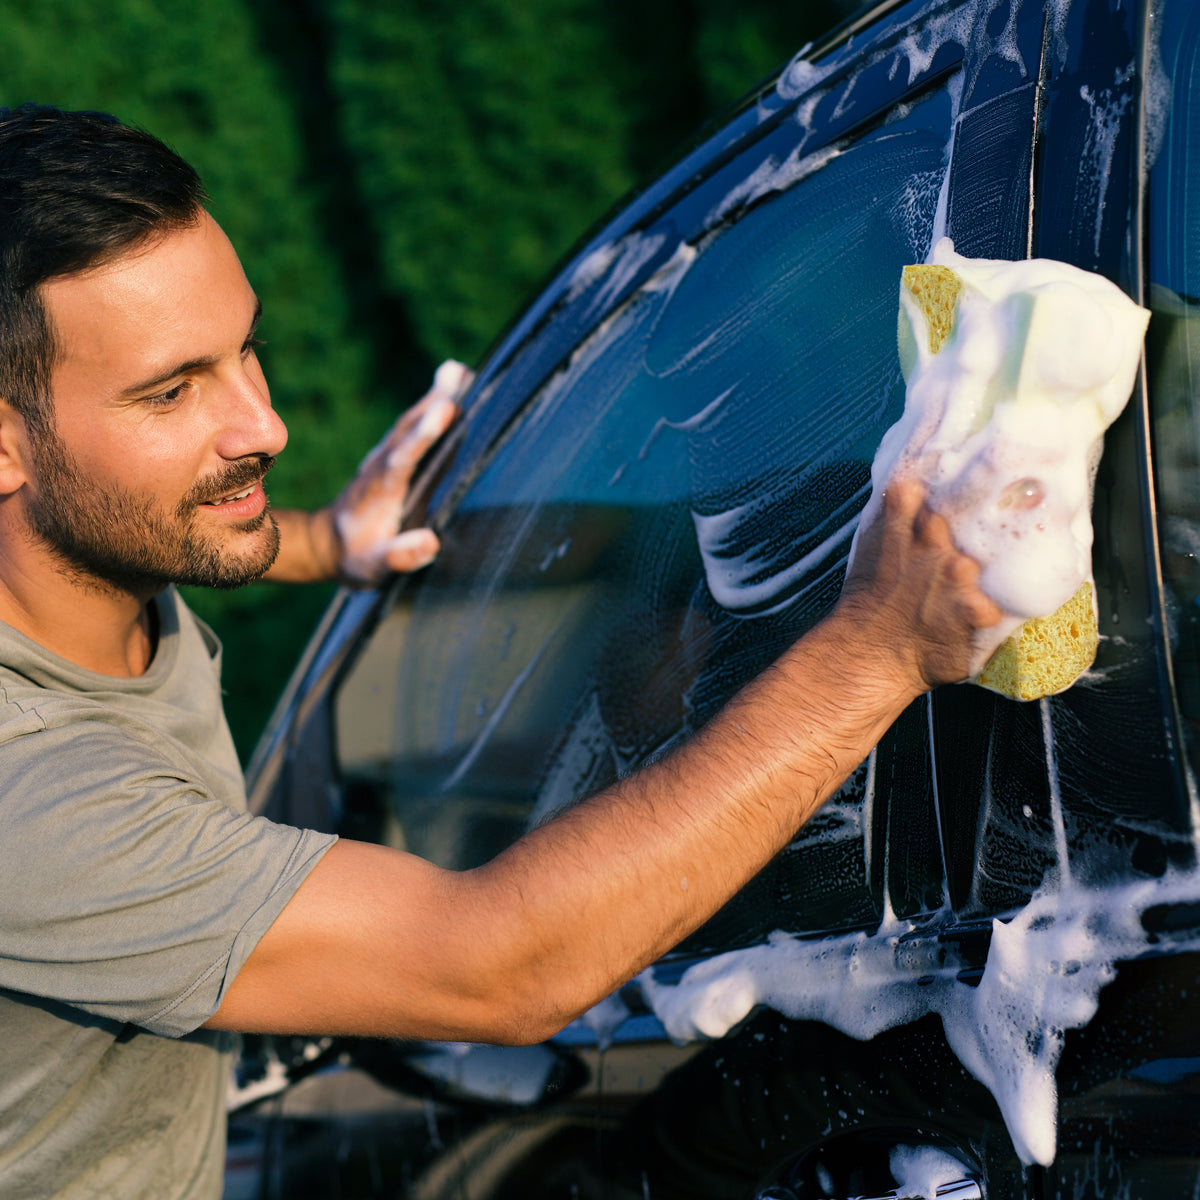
(1085, 784)
(1173, 344)
(674, 506)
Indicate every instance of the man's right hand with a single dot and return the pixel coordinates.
(916, 593)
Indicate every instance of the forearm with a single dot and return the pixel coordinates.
(378, 942)
(584, 903)
(308, 547)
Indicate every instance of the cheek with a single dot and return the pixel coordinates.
(150, 459)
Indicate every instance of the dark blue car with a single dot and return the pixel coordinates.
(976, 971)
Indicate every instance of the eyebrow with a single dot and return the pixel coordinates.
(189, 365)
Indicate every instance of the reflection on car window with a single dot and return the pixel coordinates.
(1173, 347)
(673, 508)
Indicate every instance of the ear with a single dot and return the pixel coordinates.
(14, 450)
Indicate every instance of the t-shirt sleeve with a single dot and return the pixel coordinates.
(126, 889)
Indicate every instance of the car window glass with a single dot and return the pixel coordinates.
(673, 509)
(1173, 342)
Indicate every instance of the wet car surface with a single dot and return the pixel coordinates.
(985, 947)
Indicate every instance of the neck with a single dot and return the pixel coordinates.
(85, 621)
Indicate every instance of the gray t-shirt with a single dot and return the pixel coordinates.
(133, 886)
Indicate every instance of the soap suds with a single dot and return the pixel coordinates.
(918, 50)
(799, 76)
(1004, 424)
(605, 1018)
(1045, 968)
(1156, 88)
(1108, 108)
(772, 176)
(919, 1171)
(617, 263)
(954, 89)
(750, 580)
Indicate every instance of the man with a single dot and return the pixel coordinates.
(143, 912)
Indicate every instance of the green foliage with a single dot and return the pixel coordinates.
(192, 72)
(489, 136)
(483, 149)
(398, 178)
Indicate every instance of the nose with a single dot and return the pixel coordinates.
(248, 423)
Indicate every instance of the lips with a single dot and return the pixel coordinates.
(232, 486)
(233, 497)
(246, 504)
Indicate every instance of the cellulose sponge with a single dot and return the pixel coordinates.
(1046, 654)
(1013, 371)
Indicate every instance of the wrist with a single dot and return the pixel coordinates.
(873, 657)
(325, 545)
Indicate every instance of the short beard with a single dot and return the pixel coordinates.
(110, 536)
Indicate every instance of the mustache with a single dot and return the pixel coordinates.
(233, 478)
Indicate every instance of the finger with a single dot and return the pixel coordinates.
(982, 611)
(450, 381)
(964, 571)
(406, 453)
(932, 529)
(903, 497)
(411, 550)
(436, 418)
(429, 416)
(391, 464)
(419, 428)
(452, 378)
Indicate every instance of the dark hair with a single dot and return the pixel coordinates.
(76, 188)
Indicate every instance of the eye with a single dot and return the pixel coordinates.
(252, 345)
(169, 397)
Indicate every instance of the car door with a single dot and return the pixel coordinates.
(673, 503)
(652, 494)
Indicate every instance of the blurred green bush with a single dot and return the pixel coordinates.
(398, 178)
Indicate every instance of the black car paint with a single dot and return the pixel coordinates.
(793, 1105)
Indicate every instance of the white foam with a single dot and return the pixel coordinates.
(617, 263)
(1156, 88)
(742, 579)
(773, 176)
(1107, 108)
(605, 1018)
(1004, 424)
(1043, 976)
(920, 1170)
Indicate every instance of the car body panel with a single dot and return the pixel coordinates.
(650, 495)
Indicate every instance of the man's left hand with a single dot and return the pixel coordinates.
(366, 516)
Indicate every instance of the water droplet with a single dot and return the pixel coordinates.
(1023, 495)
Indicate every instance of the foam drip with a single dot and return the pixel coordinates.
(1003, 424)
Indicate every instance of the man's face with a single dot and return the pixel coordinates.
(163, 426)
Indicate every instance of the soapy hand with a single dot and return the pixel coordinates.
(366, 516)
(915, 593)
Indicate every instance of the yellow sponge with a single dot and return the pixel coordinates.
(1046, 654)
(935, 290)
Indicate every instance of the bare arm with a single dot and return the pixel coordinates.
(379, 942)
